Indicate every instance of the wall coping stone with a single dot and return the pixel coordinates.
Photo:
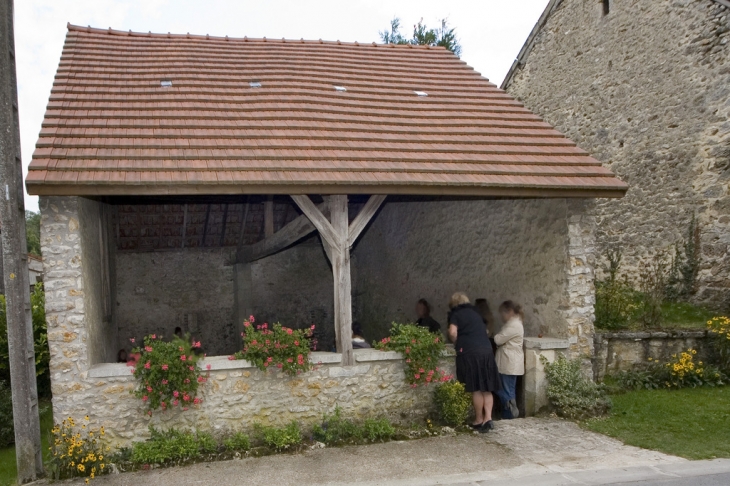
(599, 336)
(217, 363)
(546, 343)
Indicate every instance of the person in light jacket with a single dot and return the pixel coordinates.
(510, 356)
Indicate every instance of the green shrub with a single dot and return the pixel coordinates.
(336, 430)
(237, 442)
(571, 394)
(377, 430)
(452, 403)
(422, 350)
(719, 330)
(279, 439)
(681, 371)
(172, 447)
(40, 341)
(7, 429)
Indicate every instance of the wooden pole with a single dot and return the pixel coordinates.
(15, 264)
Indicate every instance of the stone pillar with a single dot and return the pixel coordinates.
(580, 294)
(535, 382)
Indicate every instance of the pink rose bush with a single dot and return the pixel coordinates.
(421, 350)
(276, 346)
(166, 371)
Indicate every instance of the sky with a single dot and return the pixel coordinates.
(491, 32)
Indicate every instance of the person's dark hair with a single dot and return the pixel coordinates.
(356, 329)
(178, 331)
(509, 305)
(426, 306)
(120, 353)
(483, 307)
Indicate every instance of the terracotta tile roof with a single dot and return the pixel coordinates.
(112, 128)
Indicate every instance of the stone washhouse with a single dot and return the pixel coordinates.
(192, 181)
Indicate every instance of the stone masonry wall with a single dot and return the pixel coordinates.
(157, 290)
(619, 351)
(237, 395)
(646, 90)
(536, 252)
(72, 303)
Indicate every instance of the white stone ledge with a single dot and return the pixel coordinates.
(546, 343)
(217, 363)
(366, 355)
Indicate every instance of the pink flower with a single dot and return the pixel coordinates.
(148, 349)
(289, 360)
(279, 365)
(182, 357)
(176, 394)
(186, 380)
(164, 367)
(408, 360)
(230, 358)
(254, 342)
(149, 388)
(174, 403)
(265, 326)
(421, 370)
(196, 344)
(201, 379)
(147, 365)
(163, 404)
(196, 401)
(186, 398)
(191, 368)
(312, 328)
(251, 319)
(145, 398)
(190, 358)
(289, 331)
(154, 336)
(266, 363)
(164, 382)
(207, 367)
(296, 343)
(185, 408)
(245, 324)
(269, 359)
(417, 376)
(131, 340)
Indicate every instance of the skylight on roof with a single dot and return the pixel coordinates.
(340, 88)
(421, 93)
(255, 84)
(165, 83)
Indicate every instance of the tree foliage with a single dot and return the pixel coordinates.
(445, 36)
(33, 232)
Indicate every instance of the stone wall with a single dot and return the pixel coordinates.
(618, 351)
(191, 288)
(536, 252)
(646, 90)
(237, 395)
(78, 335)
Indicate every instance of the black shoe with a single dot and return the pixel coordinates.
(476, 426)
(486, 427)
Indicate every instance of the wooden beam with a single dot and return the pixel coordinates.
(242, 233)
(319, 221)
(269, 216)
(340, 257)
(225, 220)
(363, 218)
(284, 238)
(205, 226)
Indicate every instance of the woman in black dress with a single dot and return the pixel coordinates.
(475, 365)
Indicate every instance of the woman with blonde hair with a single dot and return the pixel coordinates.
(510, 356)
(475, 365)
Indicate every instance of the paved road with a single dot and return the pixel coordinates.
(713, 480)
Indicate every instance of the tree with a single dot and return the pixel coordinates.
(33, 232)
(422, 35)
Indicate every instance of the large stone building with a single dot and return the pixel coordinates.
(174, 173)
(643, 85)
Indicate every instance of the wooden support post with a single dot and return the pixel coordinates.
(337, 238)
(205, 225)
(269, 216)
(340, 258)
(15, 264)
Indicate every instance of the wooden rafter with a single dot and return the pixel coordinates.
(363, 218)
(284, 238)
(318, 220)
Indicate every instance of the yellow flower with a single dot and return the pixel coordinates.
(87, 417)
(86, 480)
(101, 466)
(81, 467)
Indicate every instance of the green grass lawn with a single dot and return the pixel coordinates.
(685, 315)
(8, 469)
(693, 423)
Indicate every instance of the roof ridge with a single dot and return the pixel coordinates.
(110, 31)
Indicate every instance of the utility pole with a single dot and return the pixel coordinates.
(15, 264)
